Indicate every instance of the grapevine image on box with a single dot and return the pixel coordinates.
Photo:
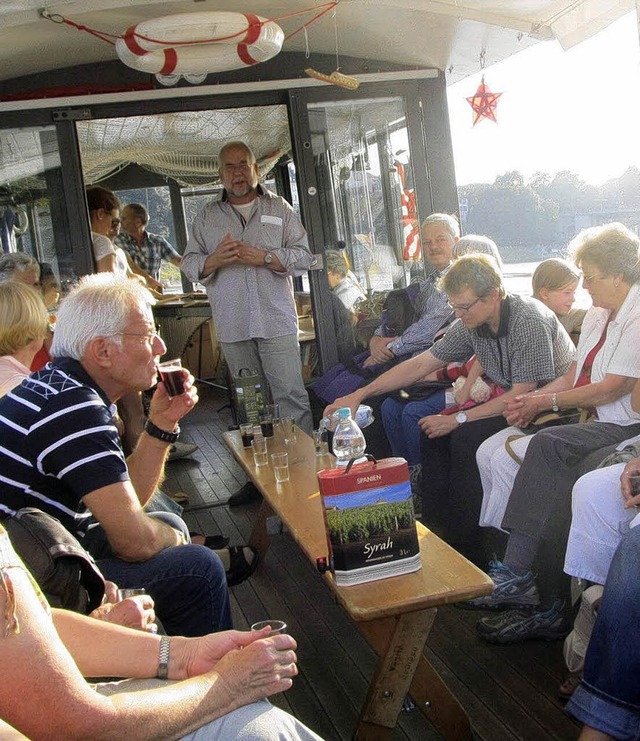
(371, 527)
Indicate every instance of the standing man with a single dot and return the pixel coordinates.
(146, 250)
(245, 248)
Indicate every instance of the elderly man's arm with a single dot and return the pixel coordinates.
(66, 703)
(146, 463)
(132, 534)
(401, 375)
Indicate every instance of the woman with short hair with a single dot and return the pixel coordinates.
(24, 324)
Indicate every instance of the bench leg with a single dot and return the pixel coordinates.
(260, 538)
(402, 669)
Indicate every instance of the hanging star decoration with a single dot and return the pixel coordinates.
(484, 103)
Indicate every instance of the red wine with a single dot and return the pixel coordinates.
(173, 379)
(267, 427)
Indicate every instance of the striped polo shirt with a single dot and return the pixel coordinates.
(57, 444)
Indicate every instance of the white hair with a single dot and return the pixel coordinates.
(16, 262)
(448, 220)
(98, 306)
(477, 244)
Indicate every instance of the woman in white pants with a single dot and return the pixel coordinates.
(604, 508)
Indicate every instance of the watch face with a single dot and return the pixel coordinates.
(268, 258)
(461, 418)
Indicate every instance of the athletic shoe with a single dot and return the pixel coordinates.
(515, 626)
(510, 591)
(181, 450)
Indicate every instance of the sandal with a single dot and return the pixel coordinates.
(179, 497)
(569, 686)
(242, 562)
(214, 542)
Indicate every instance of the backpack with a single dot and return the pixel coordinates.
(65, 572)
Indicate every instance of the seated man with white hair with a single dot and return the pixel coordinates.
(61, 453)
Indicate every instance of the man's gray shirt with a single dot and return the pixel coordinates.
(531, 345)
(250, 302)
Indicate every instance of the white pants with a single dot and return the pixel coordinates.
(598, 523)
(498, 471)
(259, 721)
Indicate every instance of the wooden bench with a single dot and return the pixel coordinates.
(395, 615)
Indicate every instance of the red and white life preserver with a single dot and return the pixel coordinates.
(259, 39)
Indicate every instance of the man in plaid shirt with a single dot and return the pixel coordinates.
(145, 249)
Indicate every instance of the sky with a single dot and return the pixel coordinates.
(575, 110)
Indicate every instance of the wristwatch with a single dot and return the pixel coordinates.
(554, 403)
(461, 418)
(268, 258)
(166, 437)
(163, 657)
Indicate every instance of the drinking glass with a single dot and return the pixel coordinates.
(124, 593)
(280, 463)
(289, 429)
(320, 441)
(246, 432)
(259, 447)
(172, 376)
(277, 626)
(267, 417)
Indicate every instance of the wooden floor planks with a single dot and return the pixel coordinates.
(509, 692)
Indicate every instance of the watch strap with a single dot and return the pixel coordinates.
(163, 657)
(166, 437)
(554, 403)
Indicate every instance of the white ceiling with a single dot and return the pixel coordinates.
(444, 34)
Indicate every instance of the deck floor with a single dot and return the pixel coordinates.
(509, 692)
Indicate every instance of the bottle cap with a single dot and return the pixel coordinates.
(344, 413)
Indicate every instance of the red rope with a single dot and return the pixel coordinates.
(105, 36)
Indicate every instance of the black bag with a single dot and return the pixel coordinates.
(248, 395)
(549, 418)
(65, 572)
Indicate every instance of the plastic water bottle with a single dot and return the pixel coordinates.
(364, 417)
(348, 440)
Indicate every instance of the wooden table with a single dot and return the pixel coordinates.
(395, 615)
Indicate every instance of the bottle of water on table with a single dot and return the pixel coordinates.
(348, 440)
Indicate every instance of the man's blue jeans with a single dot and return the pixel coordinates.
(400, 422)
(187, 583)
(609, 697)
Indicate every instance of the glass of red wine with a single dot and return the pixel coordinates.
(172, 376)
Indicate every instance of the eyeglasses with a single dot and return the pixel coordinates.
(464, 309)
(589, 278)
(150, 338)
(241, 167)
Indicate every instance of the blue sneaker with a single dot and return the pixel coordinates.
(510, 591)
(515, 626)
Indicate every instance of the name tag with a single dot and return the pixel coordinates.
(271, 220)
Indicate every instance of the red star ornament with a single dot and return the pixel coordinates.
(484, 103)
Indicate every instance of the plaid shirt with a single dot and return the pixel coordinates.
(531, 345)
(433, 311)
(150, 254)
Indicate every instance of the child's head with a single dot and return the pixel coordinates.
(49, 286)
(554, 283)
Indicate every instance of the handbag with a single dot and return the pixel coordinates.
(63, 569)
(546, 419)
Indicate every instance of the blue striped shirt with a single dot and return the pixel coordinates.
(58, 443)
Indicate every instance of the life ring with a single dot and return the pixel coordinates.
(162, 45)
